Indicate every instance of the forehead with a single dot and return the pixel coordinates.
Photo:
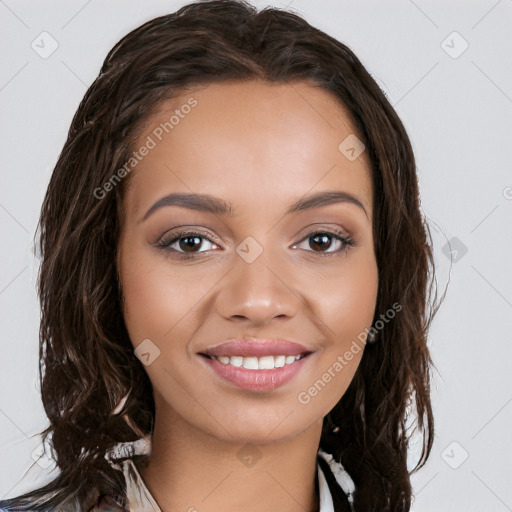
(249, 140)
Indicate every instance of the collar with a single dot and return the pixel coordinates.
(141, 500)
(335, 487)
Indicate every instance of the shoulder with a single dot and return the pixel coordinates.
(109, 503)
(104, 503)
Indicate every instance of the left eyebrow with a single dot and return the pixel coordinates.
(199, 202)
(217, 206)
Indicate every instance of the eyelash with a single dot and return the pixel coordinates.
(169, 240)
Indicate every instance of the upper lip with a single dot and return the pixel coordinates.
(252, 347)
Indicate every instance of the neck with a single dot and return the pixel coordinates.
(192, 471)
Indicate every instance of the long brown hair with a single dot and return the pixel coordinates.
(87, 360)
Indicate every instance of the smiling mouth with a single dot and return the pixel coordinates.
(269, 362)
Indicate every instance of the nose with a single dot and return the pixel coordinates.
(258, 292)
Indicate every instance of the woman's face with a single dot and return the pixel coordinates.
(256, 269)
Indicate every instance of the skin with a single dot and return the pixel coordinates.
(261, 147)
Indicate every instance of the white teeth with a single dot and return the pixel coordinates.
(279, 361)
(258, 363)
(266, 363)
(250, 363)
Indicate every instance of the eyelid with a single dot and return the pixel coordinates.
(170, 238)
(333, 232)
(173, 235)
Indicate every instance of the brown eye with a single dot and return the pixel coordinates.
(321, 241)
(185, 243)
(189, 243)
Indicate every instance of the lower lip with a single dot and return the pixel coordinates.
(256, 380)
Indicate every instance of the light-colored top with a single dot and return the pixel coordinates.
(141, 500)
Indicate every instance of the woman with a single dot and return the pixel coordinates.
(277, 366)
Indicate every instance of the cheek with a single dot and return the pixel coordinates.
(346, 306)
(154, 300)
(347, 298)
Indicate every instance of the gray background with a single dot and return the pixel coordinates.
(456, 104)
